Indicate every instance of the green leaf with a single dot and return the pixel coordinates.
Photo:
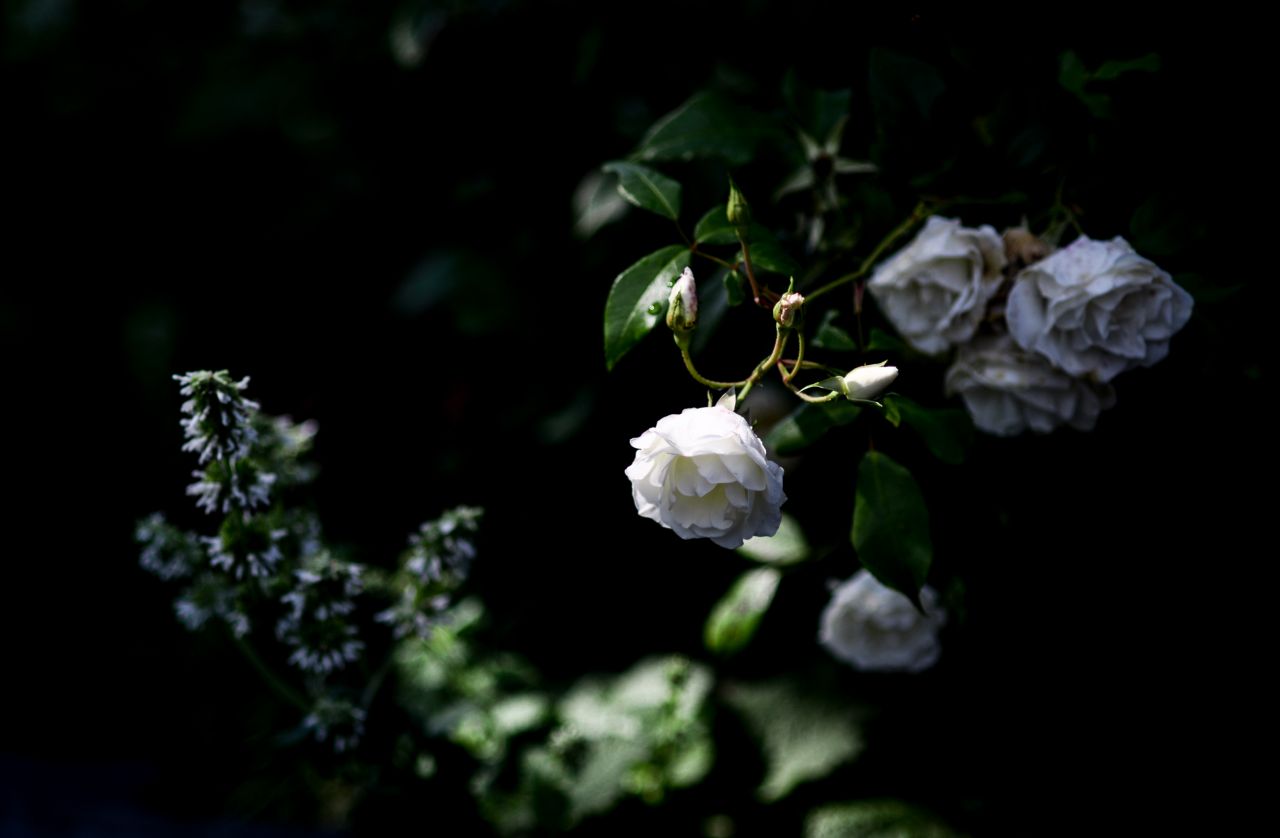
(735, 617)
(734, 288)
(808, 423)
(767, 254)
(874, 819)
(947, 432)
(898, 82)
(882, 341)
(891, 525)
(786, 546)
(817, 112)
(803, 735)
(1149, 63)
(714, 227)
(713, 302)
(646, 188)
(596, 202)
(832, 337)
(891, 413)
(707, 125)
(1071, 72)
(638, 298)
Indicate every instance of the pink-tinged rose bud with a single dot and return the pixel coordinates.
(682, 308)
(788, 308)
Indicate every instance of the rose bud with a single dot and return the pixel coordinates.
(867, 380)
(1022, 248)
(788, 308)
(682, 307)
(737, 211)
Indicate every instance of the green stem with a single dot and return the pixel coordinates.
(703, 380)
(751, 275)
(786, 377)
(920, 212)
(779, 344)
(289, 694)
(724, 263)
(805, 396)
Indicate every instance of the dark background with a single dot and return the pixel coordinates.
(386, 246)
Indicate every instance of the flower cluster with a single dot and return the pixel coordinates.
(316, 625)
(1040, 333)
(435, 565)
(218, 426)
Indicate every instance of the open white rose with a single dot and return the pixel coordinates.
(1097, 308)
(874, 627)
(703, 473)
(1008, 390)
(935, 290)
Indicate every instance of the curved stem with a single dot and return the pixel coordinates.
(779, 344)
(701, 379)
(786, 377)
(281, 689)
(805, 396)
(921, 211)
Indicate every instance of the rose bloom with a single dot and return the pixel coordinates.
(703, 473)
(935, 290)
(1008, 391)
(1096, 308)
(874, 627)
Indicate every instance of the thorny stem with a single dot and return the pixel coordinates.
(273, 681)
(920, 212)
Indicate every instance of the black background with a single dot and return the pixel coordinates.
(219, 187)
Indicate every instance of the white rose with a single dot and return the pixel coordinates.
(703, 473)
(1008, 390)
(935, 290)
(1096, 308)
(874, 627)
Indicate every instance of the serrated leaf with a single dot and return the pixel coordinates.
(707, 125)
(874, 819)
(808, 423)
(832, 337)
(646, 188)
(787, 546)
(803, 736)
(629, 313)
(734, 619)
(891, 525)
(947, 432)
(714, 228)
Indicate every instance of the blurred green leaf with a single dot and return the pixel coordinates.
(1161, 227)
(713, 303)
(646, 188)
(596, 202)
(832, 337)
(1203, 291)
(947, 432)
(786, 546)
(874, 819)
(1149, 63)
(714, 228)
(767, 254)
(901, 84)
(707, 125)
(891, 525)
(808, 423)
(638, 298)
(735, 617)
(803, 735)
(735, 288)
(817, 112)
(881, 341)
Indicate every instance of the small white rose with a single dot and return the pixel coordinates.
(868, 380)
(1008, 391)
(935, 290)
(1097, 308)
(703, 473)
(874, 627)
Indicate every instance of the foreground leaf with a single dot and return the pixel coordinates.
(638, 298)
(808, 423)
(714, 227)
(803, 735)
(707, 125)
(891, 525)
(646, 188)
(734, 619)
(874, 819)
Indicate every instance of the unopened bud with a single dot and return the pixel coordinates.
(682, 307)
(788, 308)
(738, 212)
(1023, 248)
(868, 380)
